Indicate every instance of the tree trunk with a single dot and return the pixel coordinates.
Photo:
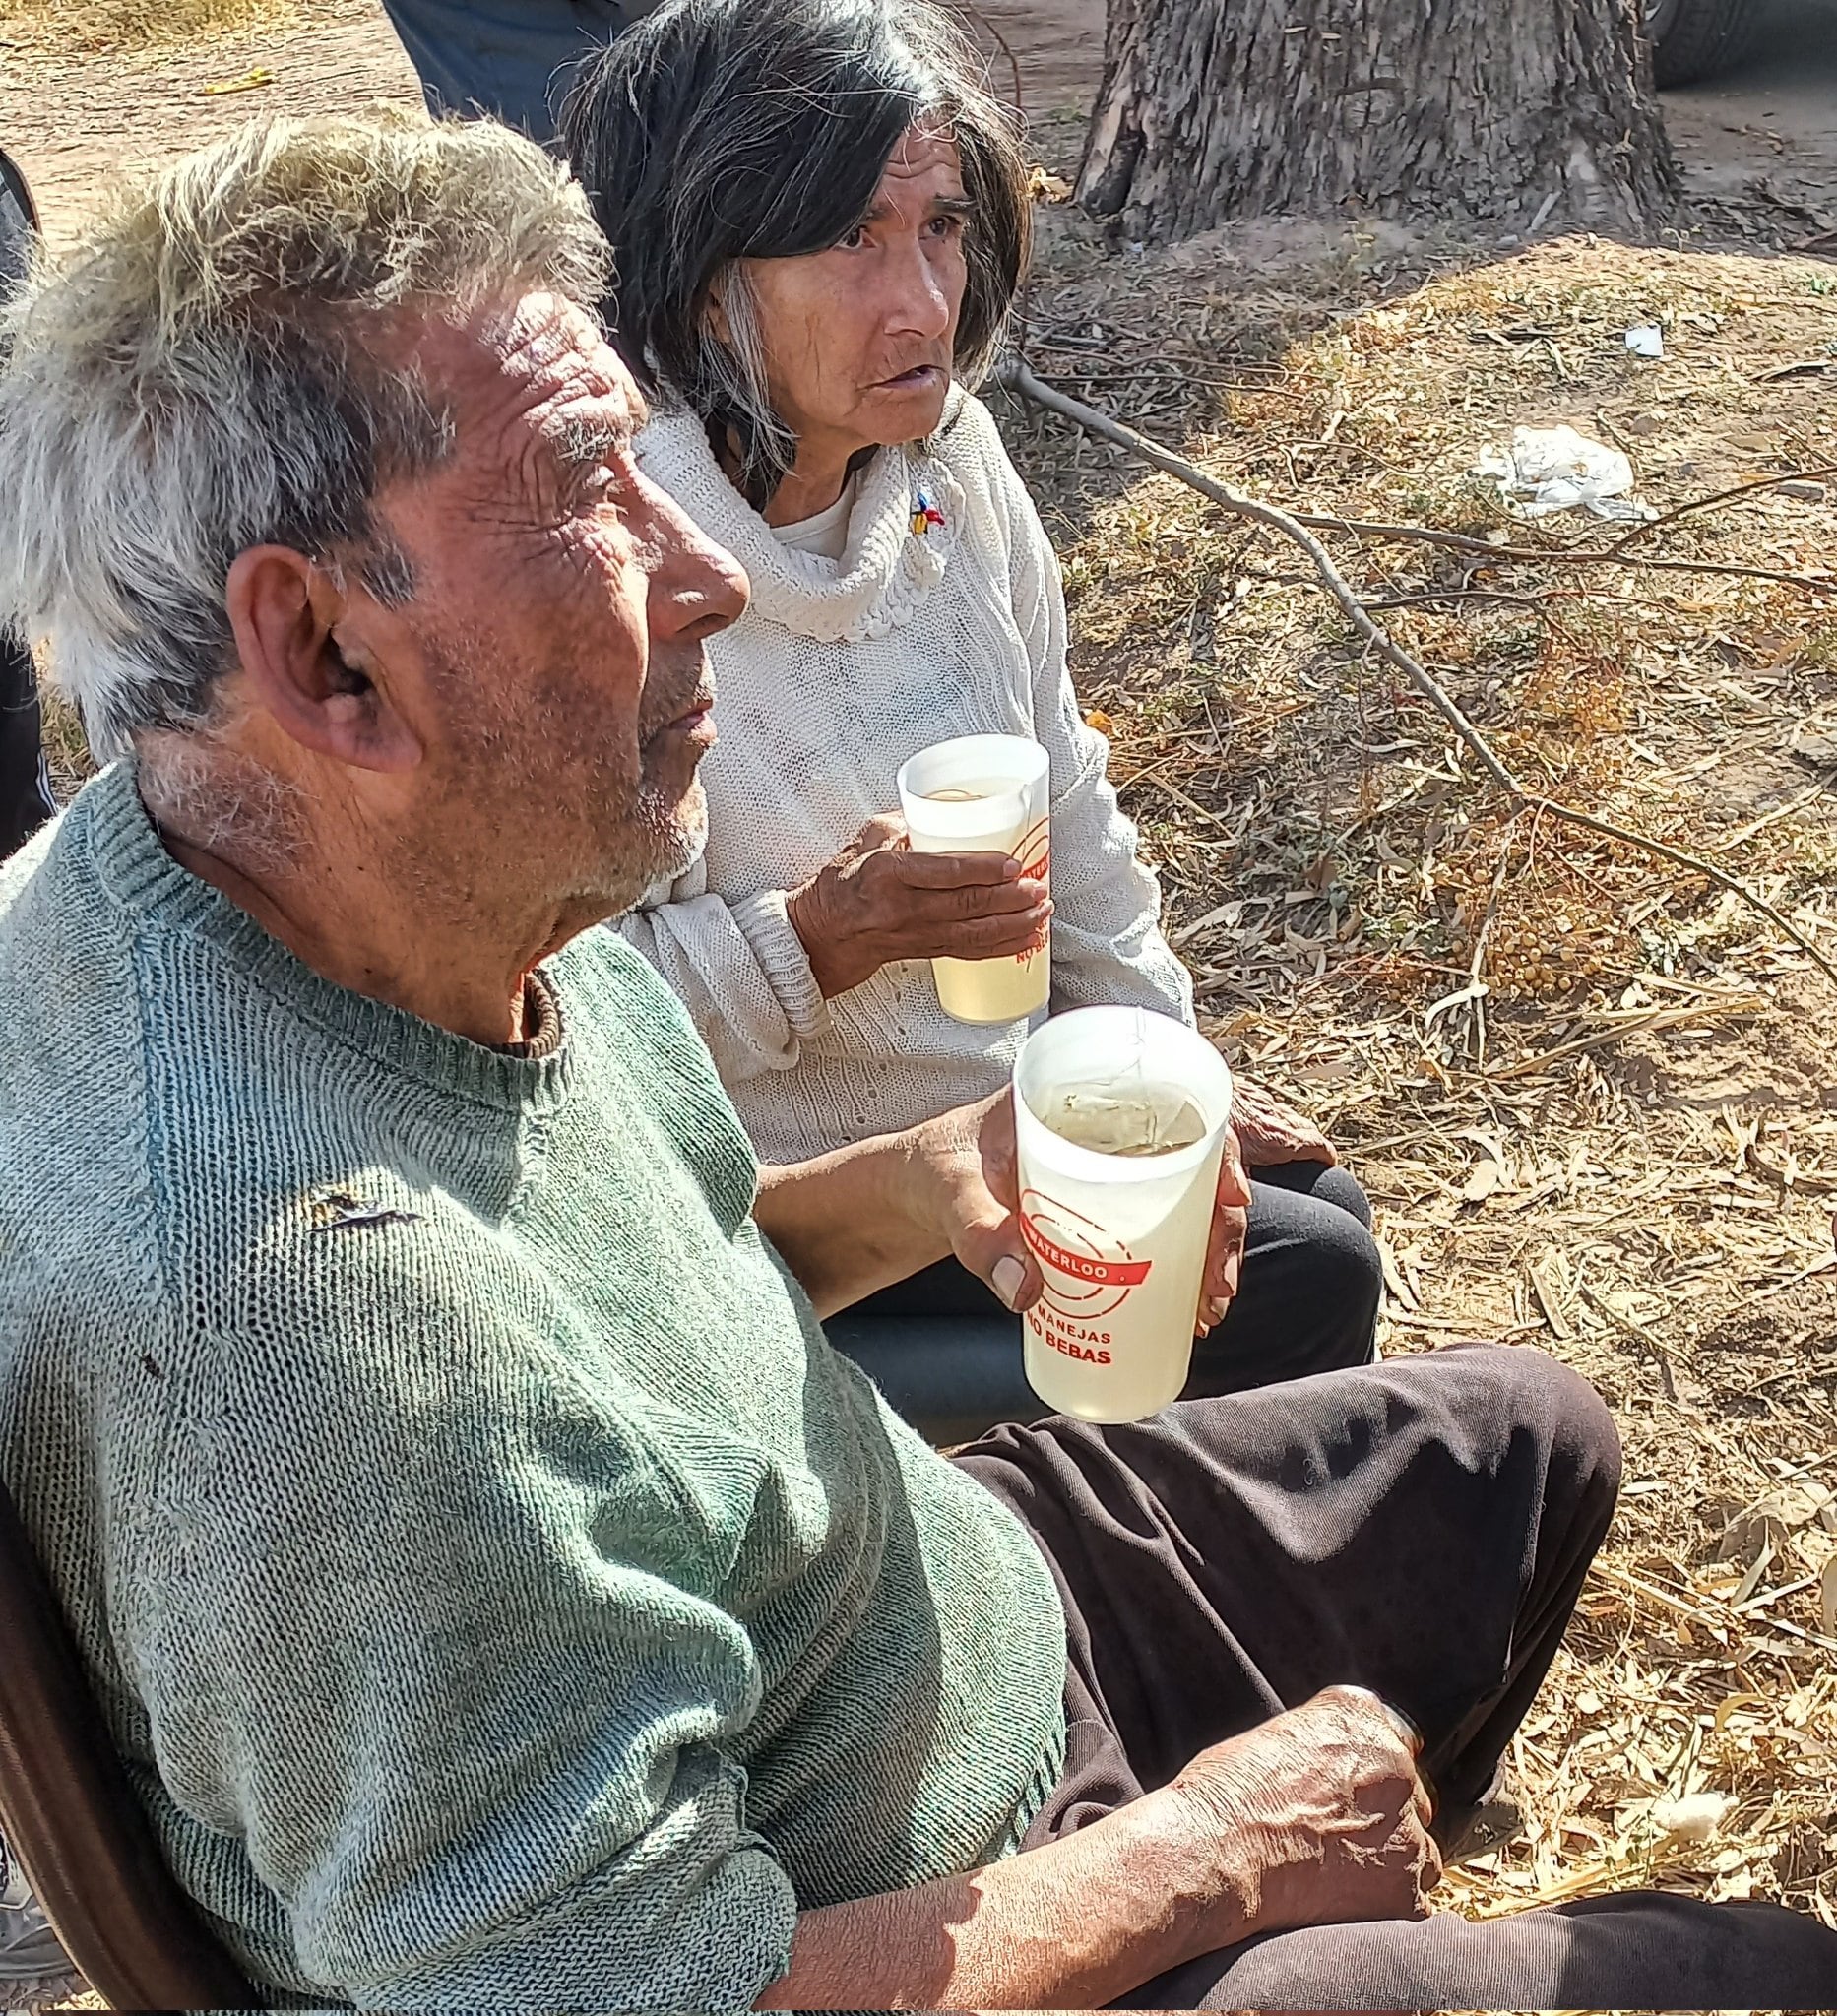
(1514, 111)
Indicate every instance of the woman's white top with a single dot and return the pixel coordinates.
(840, 671)
(824, 533)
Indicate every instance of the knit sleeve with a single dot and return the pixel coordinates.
(1108, 945)
(740, 970)
(412, 1616)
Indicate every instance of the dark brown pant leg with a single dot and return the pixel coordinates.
(1421, 1527)
(1639, 1949)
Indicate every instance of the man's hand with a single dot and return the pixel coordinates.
(1270, 1132)
(1317, 1817)
(1225, 1252)
(878, 901)
(966, 1183)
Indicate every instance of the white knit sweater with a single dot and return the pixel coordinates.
(836, 675)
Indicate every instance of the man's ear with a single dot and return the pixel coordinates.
(283, 609)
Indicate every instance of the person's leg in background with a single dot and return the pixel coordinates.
(512, 60)
(24, 788)
(33, 1965)
(1307, 1299)
(1307, 1304)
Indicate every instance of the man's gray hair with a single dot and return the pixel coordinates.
(221, 365)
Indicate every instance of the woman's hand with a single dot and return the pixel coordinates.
(1270, 1132)
(878, 901)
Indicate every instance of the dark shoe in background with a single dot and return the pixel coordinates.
(33, 1967)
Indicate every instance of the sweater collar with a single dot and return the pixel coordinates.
(901, 533)
(154, 892)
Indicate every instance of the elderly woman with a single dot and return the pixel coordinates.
(821, 217)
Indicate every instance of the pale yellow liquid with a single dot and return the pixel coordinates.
(1100, 1119)
(984, 991)
(1090, 1351)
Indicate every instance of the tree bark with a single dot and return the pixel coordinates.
(1507, 111)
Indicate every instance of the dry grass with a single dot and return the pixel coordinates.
(1596, 1105)
(106, 27)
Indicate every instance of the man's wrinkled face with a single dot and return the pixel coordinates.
(560, 608)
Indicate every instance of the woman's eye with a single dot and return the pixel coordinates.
(946, 226)
(852, 241)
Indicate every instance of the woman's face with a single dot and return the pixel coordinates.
(858, 339)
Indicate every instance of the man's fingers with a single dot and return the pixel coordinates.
(994, 1253)
(1225, 1250)
(1431, 1869)
(1406, 1731)
(1234, 1183)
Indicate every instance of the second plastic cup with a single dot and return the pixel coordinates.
(1119, 1228)
(985, 794)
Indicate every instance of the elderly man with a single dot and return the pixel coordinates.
(500, 1593)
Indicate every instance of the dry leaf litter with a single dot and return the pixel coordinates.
(1594, 1100)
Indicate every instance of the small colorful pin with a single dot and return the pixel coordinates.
(925, 514)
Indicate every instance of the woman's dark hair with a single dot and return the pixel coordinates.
(714, 130)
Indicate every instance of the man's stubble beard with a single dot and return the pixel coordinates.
(679, 832)
(549, 767)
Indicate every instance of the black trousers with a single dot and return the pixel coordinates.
(1419, 1527)
(1308, 1300)
(25, 790)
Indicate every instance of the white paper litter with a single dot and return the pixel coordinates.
(1646, 341)
(1556, 468)
(1695, 1817)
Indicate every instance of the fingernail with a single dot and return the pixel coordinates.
(1007, 1278)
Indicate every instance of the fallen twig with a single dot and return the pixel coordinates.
(1017, 378)
(1574, 556)
(1657, 1018)
(1788, 476)
(1009, 373)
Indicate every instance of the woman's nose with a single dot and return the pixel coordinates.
(923, 306)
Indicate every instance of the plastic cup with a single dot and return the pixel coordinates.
(1121, 1239)
(985, 794)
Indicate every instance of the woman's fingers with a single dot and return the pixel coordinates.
(995, 937)
(954, 871)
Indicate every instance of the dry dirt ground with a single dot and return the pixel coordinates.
(1593, 1096)
(1758, 146)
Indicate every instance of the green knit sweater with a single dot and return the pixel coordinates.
(501, 1593)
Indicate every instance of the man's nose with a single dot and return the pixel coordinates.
(697, 586)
